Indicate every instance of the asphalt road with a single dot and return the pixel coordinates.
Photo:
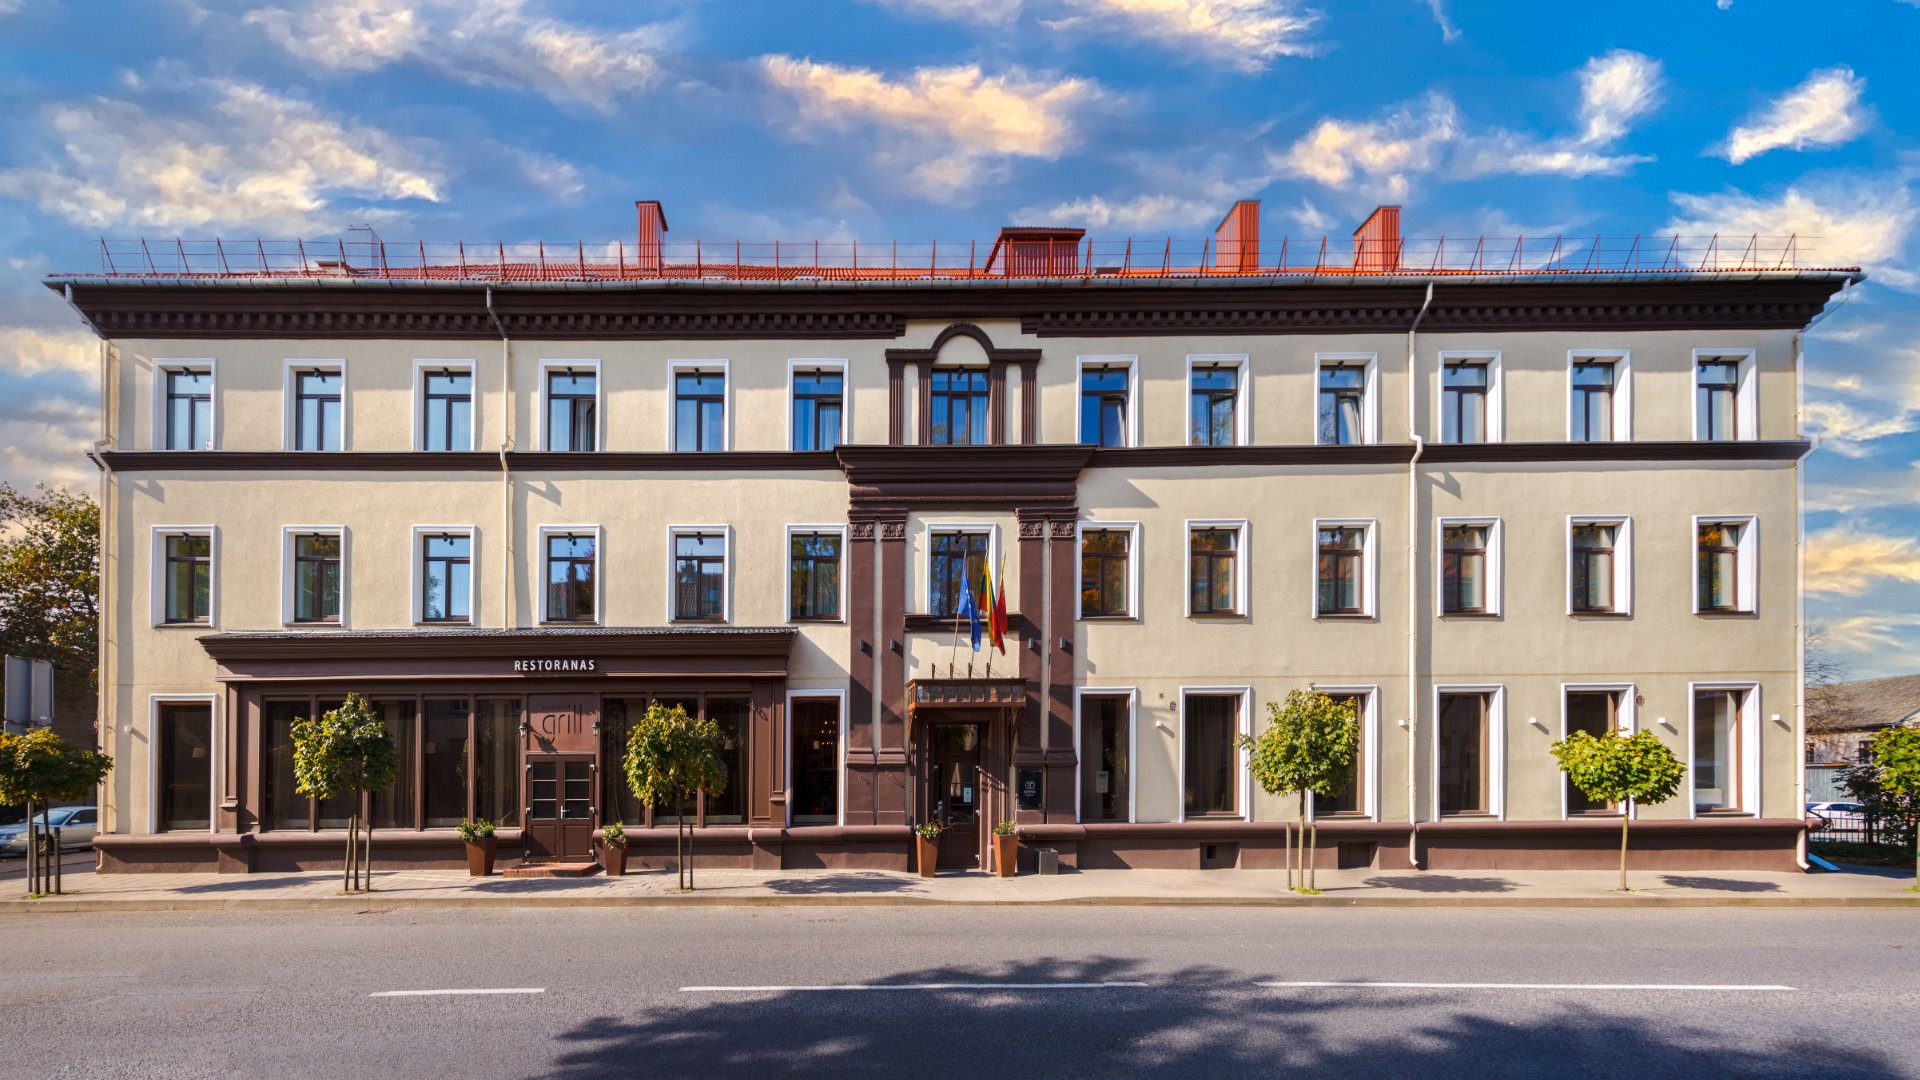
(179, 996)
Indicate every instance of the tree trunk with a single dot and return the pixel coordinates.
(679, 846)
(1313, 852)
(33, 854)
(1623, 848)
(366, 867)
(1303, 839)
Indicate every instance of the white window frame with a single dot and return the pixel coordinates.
(1627, 722)
(1746, 395)
(1132, 529)
(419, 574)
(1746, 562)
(1496, 747)
(1369, 567)
(164, 366)
(727, 563)
(1496, 391)
(290, 401)
(544, 395)
(1622, 361)
(1242, 607)
(677, 368)
(786, 742)
(1243, 777)
(1496, 566)
(287, 562)
(786, 562)
(467, 367)
(1622, 565)
(1242, 395)
(1370, 389)
(924, 590)
(1132, 694)
(214, 750)
(599, 572)
(794, 366)
(1369, 778)
(1129, 361)
(157, 574)
(1749, 721)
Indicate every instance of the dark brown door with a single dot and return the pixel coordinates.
(560, 807)
(956, 792)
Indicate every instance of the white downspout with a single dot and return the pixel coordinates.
(1413, 586)
(508, 617)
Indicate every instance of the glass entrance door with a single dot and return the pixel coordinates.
(560, 807)
(955, 777)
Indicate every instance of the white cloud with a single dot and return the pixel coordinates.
(26, 350)
(484, 42)
(1385, 157)
(989, 12)
(1823, 111)
(955, 128)
(559, 178)
(1838, 223)
(251, 159)
(1882, 644)
(1449, 33)
(1847, 562)
(45, 437)
(1139, 212)
(1247, 34)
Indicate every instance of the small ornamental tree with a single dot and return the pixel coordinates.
(1309, 745)
(346, 752)
(672, 758)
(40, 767)
(1616, 768)
(1897, 752)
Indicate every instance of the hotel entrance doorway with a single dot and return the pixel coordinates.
(955, 776)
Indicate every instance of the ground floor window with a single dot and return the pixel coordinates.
(1105, 731)
(184, 745)
(1211, 724)
(1351, 800)
(618, 716)
(816, 762)
(1716, 750)
(1463, 754)
(1594, 712)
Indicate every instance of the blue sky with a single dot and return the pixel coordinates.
(945, 119)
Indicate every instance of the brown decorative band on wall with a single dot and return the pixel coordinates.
(950, 622)
(468, 461)
(1676, 451)
(346, 317)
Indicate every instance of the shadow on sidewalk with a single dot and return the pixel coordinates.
(241, 883)
(1683, 881)
(1441, 883)
(839, 884)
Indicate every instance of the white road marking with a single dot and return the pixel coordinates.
(910, 986)
(443, 993)
(1531, 986)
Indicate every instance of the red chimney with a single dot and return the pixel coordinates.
(1236, 242)
(1036, 251)
(653, 223)
(1376, 243)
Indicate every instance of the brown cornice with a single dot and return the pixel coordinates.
(1205, 456)
(464, 461)
(977, 477)
(757, 652)
(1678, 451)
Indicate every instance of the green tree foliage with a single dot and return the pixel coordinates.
(671, 759)
(42, 768)
(1896, 752)
(346, 752)
(1619, 769)
(50, 577)
(1309, 745)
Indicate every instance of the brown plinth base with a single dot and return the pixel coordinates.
(551, 870)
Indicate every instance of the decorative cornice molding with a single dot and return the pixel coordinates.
(467, 461)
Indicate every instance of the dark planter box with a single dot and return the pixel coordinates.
(613, 859)
(480, 856)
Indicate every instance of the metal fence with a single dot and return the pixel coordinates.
(1892, 827)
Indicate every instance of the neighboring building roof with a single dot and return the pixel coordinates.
(1877, 703)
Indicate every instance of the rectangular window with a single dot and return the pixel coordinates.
(1595, 712)
(1463, 570)
(316, 578)
(185, 765)
(956, 557)
(393, 807)
(570, 577)
(699, 576)
(1342, 415)
(1212, 573)
(816, 762)
(618, 718)
(571, 408)
(444, 742)
(1211, 724)
(1593, 567)
(699, 411)
(331, 813)
(1716, 750)
(189, 410)
(1214, 400)
(496, 761)
(1719, 562)
(1104, 736)
(448, 417)
(317, 409)
(446, 589)
(814, 576)
(1717, 392)
(189, 579)
(1103, 406)
(958, 400)
(1350, 800)
(1103, 572)
(1593, 390)
(285, 807)
(1342, 584)
(1463, 403)
(816, 409)
(731, 716)
(1463, 754)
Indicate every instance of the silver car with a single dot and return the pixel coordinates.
(76, 825)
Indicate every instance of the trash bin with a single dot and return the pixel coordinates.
(1049, 860)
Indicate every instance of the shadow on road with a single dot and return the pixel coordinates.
(1441, 883)
(1683, 881)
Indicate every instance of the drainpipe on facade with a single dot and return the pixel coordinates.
(507, 619)
(1413, 586)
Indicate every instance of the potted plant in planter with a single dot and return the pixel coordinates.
(927, 840)
(613, 851)
(1006, 849)
(479, 840)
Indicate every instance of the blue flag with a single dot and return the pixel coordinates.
(969, 607)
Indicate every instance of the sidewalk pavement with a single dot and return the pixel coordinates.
(90, 891)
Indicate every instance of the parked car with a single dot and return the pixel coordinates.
(1839, 815)
(76, 825)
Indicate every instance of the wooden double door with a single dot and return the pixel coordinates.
(954, 781)
(562, 792)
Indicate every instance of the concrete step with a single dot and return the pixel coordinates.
(550, 869)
